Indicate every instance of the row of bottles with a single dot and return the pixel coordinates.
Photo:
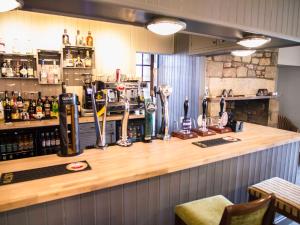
(78, 59)
(16, 145)
(18, 68)
(50, 74)
(49, 142)
(22, 144)
(16, 108)
(79, 40)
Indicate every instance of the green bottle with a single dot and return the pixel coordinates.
(54, 109)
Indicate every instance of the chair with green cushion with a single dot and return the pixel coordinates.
(218, 210)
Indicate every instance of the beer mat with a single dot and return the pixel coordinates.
(215, 142)
(43, 172)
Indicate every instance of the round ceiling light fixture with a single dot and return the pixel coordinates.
(166, 26)
(242, 53)
(254, 41)
(8, 5)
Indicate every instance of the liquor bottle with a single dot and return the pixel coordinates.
(47, 108)
(6, 98)
(30, 71)
(43, 142)
(20, 103)
(17, 70)
(15, 111)
(23, 71)
(31, 109)
(1, 111)
(69, 62)
(9, 70)
(48, 141)
(55, 72)
(57, 138)
(78, 61)
(3, 69)
(89, 39)
(79, 39)
(39, 105)
(52, 141)
(87, 60)
(7, 112)
(50, 77)
(44, 74)
(65, 38)
(54, 108)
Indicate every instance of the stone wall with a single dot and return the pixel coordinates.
(250, 73)
(244, 75)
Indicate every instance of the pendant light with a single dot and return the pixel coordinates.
(8, 5)
(166, 26)
(242, 53)
(254, 41)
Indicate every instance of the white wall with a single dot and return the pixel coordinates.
(115, 44)
(289, 56)
(289, 92)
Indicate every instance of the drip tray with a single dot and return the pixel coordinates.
(44, 172)
(215, 142)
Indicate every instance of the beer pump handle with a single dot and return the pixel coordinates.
(204, 107)
(222, 104)
(63, 87)
(186, 107)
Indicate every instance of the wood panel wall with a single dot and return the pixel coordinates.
(279, 17)
(152, 201)
(184, 74)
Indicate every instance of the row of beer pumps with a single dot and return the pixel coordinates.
(100, 98)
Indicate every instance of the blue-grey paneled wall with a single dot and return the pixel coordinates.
(184, 74)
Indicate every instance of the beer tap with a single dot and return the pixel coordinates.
(124, 141)
(100, 128)
(222, 105)
(164, 92)
(204, 109)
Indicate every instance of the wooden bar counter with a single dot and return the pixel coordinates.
(142, 184)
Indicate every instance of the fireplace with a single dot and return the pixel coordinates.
(258, 110)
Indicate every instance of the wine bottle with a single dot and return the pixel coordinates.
(7, 112)
(39, 104)
(47, 108)
(89, 39)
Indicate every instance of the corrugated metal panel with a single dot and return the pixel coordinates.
(152, 201)
(182, 73)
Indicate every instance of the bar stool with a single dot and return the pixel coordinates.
(218, 210)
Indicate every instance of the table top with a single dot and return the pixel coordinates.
(118, 165)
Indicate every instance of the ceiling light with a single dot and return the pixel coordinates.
(7, 5)
(242, 53)
(166, 26)
(254, 41)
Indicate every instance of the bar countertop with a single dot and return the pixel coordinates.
(117, 165)
(55, 122)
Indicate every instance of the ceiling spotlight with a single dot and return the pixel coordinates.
(254, 41)
(242, 53)
(166, 26)
(7, 5)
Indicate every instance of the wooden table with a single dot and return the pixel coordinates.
(287, 196)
